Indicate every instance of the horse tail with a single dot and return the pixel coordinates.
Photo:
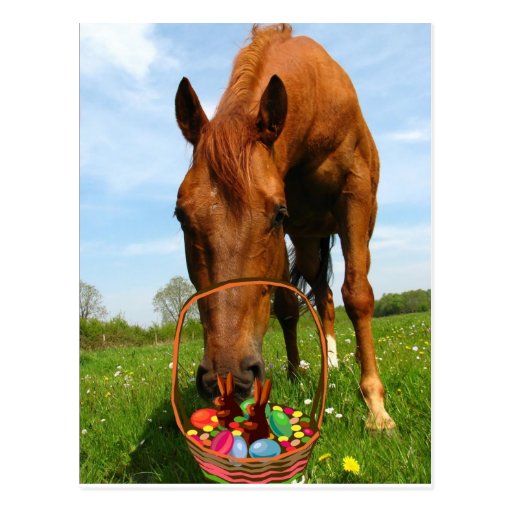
(324, 274)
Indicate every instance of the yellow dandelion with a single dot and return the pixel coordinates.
(324, 457)
(351, 465)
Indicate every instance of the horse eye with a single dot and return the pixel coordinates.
(178, 213)
(281, 213)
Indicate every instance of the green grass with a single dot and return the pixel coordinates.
(128, 433)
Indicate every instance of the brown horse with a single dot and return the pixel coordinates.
(287, 152)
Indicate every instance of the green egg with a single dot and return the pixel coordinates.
(249, 401)
(280, 424)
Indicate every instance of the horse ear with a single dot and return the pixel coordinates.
(189, 113)
(272, 113)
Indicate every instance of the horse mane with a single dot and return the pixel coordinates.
(228, 140)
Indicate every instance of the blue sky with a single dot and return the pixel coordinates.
(133, 156)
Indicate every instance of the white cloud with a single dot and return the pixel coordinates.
(165, 245)
(125, 46)
(159, 246)
(415, 135)
(401, 238)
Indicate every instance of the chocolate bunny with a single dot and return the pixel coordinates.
(227, 408)
(256, 426)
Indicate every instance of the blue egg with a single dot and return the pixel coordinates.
(264, 448)
(239, 449)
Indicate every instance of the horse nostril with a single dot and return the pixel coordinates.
(206, 385)
(252, 368)
(258, 371)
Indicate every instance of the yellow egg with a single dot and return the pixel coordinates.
(191, 432)
(282, 438)
(296, 428)
(297, 414)
(207, 428)
(236, 432)
(277, 408)
(298, 435)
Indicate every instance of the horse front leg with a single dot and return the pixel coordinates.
(286, 309)
(312, 261)
(356, 211)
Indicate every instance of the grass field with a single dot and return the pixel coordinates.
(128, 433)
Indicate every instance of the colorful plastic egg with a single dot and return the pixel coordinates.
(244, 405)
(203, 417)
(264, 448)
(239, 448)
(280, 424)
(223, 442)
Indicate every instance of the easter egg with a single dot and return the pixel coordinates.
(264, 448)
(239, 448)
(244, 405)
(288, 410)
(308, 432)
(223, 442)
(280, 424)
(202, 417)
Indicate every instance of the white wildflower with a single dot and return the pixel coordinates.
(339, 415)
(103, 420)
(304, 365)
(307, 401)
(88, 391)
(329, 410)
(117, 373)
(332, 385)
(348, 340)
(171, 364)
(84, 431)
(415, 348)
(119, 367)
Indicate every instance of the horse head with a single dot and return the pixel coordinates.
(231, 206)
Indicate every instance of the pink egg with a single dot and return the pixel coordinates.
(288, 410)
(308, 432)
(285, 444)
(223, 442)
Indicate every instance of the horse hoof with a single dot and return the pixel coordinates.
(380, 423)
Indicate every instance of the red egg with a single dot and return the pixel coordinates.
(203, 417)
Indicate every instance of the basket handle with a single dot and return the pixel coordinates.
(318, 404)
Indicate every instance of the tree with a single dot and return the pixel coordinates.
(91, 302)
(169, 300)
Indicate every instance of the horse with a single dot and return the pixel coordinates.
(287, 152)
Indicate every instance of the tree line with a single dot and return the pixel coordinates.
(97, 332)
(413, 301)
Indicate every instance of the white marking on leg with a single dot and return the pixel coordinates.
(332, 355)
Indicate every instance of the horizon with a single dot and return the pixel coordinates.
(133, 156)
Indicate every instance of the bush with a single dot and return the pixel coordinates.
(95, 334)
(407, 302)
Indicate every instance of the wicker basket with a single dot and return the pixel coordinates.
(284, 468)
